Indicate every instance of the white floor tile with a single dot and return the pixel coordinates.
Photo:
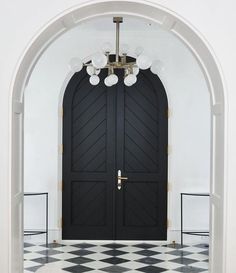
(67, 248)
(132, 265)
(129, 249)
(32, 255)
(193, 249)
(98, 248)
(35, 248)
(64, 256)
(197, 256)
(202, 265)
(96, 264)
(131, 256)
(97, 256)
(165, 256)
(28, 264)
(168, 265)
(162, 249)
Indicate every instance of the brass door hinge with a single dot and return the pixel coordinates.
(61, 149)
(168, 223)
(61, 112)
(169, 187)
(61, 185)
(168, 112)
(168, 149)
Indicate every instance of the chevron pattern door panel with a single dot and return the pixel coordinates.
(89, 131)
(106, 130)
(88, 160)
(88, 203)
(140, 204)
(142, 156)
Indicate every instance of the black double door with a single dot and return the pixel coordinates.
(107, 129)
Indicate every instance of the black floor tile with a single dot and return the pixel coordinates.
(34, 268)
(145, 246)
(190, 269)
(115, 269)
(147, 252)
(52, 245)
(114, 260)
(205, 246)
(206, 252)
(184, 261)
(84, 245)
(114, 252)
(77, 269)
(151, 269)
(149, 260)
(79, 260)
(81, 252)
(114, 245)
(28, 245)
(45, 260)
(49, 252)
(179, 253)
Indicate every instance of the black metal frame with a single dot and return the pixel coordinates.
(37, 232)
(195, 233)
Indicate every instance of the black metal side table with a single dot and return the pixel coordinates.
(44, 231)
(196, 233)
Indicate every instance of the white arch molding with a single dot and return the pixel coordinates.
(169, 21)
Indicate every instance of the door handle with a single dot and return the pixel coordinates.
(120, 179)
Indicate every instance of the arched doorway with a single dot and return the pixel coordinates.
(209, 66)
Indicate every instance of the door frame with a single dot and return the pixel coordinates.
(12, 238)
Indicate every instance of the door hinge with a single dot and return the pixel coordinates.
(61, 112)
(61, 185)
(168, 149)
(61, 223)
(168, 112)
(168, 223)
(61, 149)
(169, 187)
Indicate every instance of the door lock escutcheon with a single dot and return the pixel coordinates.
(120, 179)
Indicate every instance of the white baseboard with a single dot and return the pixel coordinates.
(173, 236)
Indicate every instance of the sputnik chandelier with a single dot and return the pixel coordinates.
(102, 60)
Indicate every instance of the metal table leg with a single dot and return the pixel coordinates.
(47, 219)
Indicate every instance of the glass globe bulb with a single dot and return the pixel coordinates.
(99, 60)
(75, 64)
(135, 70)
(113, 79)
(92, 70)
(124, 49)
(130, 79)
(143, 62)
(106, 47)
(107, 81)
(157, 67)
(139, 50)
(94, 80)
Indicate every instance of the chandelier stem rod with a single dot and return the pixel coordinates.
(117, 41)
(117, 21)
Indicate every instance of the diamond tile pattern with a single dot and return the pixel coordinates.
(117, 257)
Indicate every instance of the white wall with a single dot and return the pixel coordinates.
(189, 128)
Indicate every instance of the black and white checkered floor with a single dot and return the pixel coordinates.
(117, 257)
